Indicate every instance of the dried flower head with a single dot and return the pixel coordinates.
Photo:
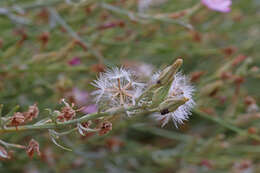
(105, 128)
(68, 112)
(83, 128)
(33, 147)
(117, 86)
(33, 112)
(17, 119)
(180, 88)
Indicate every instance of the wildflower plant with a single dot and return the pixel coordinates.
(97, 79)
(167, 93)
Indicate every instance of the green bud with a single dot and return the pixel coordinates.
(171, 104)
(167, 75)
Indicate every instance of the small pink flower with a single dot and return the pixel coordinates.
(90, 109)
(218, 5)
(74, 61)
(81, 97)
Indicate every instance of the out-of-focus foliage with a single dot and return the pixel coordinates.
(38, 40)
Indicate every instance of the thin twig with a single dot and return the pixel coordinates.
(59, 20)
(133, 15)
(71, 122)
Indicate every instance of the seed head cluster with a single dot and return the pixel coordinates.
(119, 87)
(180, 87)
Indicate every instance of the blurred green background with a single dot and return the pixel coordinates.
(36, 46)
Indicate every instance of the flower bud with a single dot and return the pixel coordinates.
(17, 119)
(33, 112)
(171, 104)
(167, 75)
(33, 147)
(105, 128)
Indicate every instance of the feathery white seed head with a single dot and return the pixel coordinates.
(117, 86)
(180, 87)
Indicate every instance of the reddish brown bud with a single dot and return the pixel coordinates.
(195, 76)
(88, 10)
(105, 127)
(206, 163)
(242, 166)
(252, 130)
(121, 24)
(239, 80)
(67, 113)
(17, 119)
(249, 100)
(32, 113)
(238, 60)
(229, 50)
(98, 68)
(33, 147)
(196, 36)
(22, 33)
(83, 128)
(109, 25)
(226, 75)
(44, 38)
(43, 14)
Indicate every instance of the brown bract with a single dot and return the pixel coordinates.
(105, 127)
(32, 113)
(67, 113)
(22, 117)
(17, 119)
(33, 147)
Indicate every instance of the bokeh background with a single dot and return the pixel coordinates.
(41, 62)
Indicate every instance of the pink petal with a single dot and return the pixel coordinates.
(218, 5)
(74, 61)
(90, 109)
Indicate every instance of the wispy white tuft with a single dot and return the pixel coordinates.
(180, 87)
(155, 77)
(117, 86)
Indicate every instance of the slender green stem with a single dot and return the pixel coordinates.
(11, 145)
(71, 122)
(58, 18)
(135, 15)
